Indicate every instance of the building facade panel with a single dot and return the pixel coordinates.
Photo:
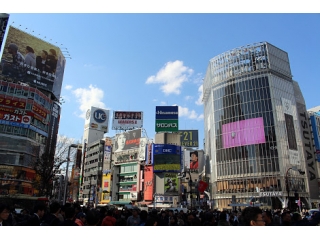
(247, 126)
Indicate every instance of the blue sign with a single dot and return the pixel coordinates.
(166, 158)
(100, 116)
(315, 136)
(167, 112)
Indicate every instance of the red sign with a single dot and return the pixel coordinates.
(148, 183)
(13, 102)
(15, 117)
(202, 186)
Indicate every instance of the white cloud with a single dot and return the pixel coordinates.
(88, 97)
(187, 98)
(68, 87)
(163, 103)
(200, 91)
(91, 66)
(171, 77)
(191, 114)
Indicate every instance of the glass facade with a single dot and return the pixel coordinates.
(245, 125)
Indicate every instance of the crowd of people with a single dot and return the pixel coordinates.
(75, 215)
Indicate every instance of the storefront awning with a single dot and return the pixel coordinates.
(119, 202)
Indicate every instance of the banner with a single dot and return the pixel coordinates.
(202, 186)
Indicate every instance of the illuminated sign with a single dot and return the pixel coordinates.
(166, 158)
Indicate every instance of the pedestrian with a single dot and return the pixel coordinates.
(80, 219)
(69, 217)
(286, 219)
(252, 216)
(109, 220)
(52, 218)
(36, 217)
(4, 214)
(134, 219)
(93, 218)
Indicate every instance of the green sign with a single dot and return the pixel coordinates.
(167, 125)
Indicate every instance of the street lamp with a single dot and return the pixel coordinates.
(287, 181)
(67, 169)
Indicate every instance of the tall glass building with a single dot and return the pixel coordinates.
(252, 128)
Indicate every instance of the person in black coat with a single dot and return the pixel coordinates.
(69, 220)
(36, 217)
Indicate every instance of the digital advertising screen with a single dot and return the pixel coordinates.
(166, 158)
(242, 133)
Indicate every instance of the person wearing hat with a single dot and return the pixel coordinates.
(194, 160)
(14, 68)
(80, 219)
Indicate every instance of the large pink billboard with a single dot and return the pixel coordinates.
(242, 133)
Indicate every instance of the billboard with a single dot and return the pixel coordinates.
(97, 119)
(166, 158)
(123, 120)
(4, 18)
(30, 60)
(171, 184)
(107, 154)
(127, 140)
(167, 112)
(189, 138)
(242, 133)
(196, 161)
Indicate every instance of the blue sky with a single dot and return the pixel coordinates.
(135, 62)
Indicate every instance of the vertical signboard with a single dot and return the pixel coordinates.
(4, 18)
(167, 119)
(53, 128)
(315, 131)
(291, 135)
(33, 61)
(309, 152)
(142, 149)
